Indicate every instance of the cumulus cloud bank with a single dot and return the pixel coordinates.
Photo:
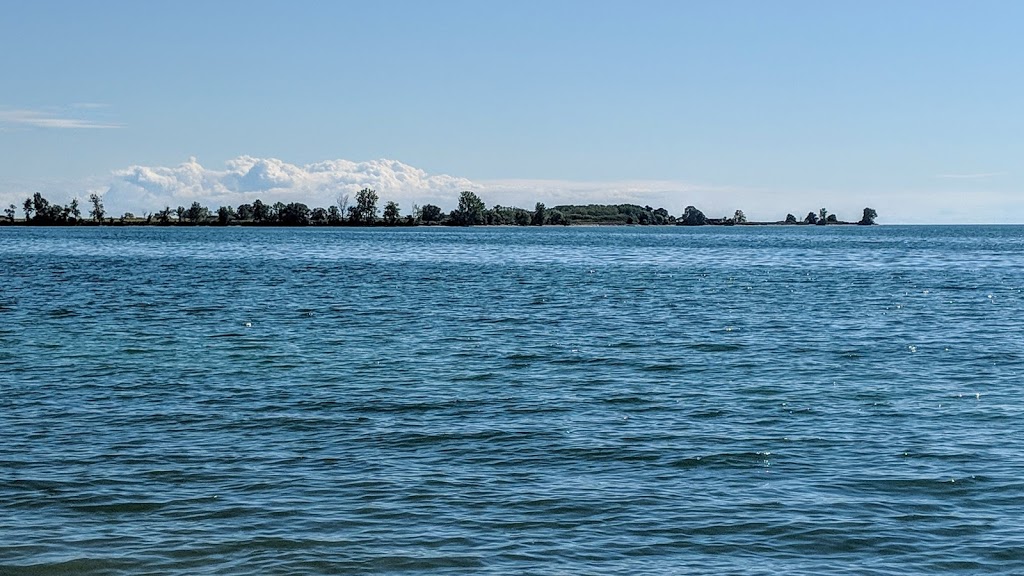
(142, 189)
(148, 188)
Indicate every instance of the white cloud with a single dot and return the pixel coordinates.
(246, 178)
(141, 189)
(48, 119)
(149, 188)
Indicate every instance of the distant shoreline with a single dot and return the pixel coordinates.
(138, 222)
(364, 213)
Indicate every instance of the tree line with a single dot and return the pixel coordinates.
(364, 211)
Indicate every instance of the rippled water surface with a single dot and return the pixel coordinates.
(749, 400)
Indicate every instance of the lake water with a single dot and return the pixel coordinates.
(748, 400)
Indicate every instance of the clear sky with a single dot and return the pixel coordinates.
(915, 108)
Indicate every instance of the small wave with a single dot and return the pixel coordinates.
(663, 367)
(724, 460)
(119, 507)
(711, 347)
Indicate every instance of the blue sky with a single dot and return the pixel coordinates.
(913, 108)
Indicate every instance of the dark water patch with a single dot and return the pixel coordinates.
(480, 377)
(119, 508)
(663, 367)
(713, 347)
(82, 565)
(134, 351)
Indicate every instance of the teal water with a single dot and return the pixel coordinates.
(749, 400)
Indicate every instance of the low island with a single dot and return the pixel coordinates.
(471, 211)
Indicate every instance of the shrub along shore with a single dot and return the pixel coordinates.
(364, 211)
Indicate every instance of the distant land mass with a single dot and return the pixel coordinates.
(364, 211)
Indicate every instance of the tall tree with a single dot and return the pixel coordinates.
(470, 211)
(538, 214)
(869, 217)
(164, 216)
(197, 213)
(97, 207)
(224, 215)
(244, 212)
(693, 217)
(366, 206)
(391, 213)
(260, 211)
(318, 216)
(334, 215)
(430, 213)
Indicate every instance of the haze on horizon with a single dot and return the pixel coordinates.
(911, 107)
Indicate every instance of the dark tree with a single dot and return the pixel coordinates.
(739, 217)
(538, 214)
(9, 212)
(180, 213)
(244, 212)
(197, 213)
(97, 207)
(294, 214)
(812, 218)
(275, 211)
(661, 216)
(521, 217)
(164, 216)
(693, 217)
(224, 215)
(260, 211)
(318, 216)
(74, 210)
(27, 207)
(556, 218)
(366, 207)
(869, 217)
(391, 213)
(333, 215)
(790, 219)
(430, 213)
(41, 206)
(470, 211)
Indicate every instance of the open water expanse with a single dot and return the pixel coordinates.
(747, 400)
